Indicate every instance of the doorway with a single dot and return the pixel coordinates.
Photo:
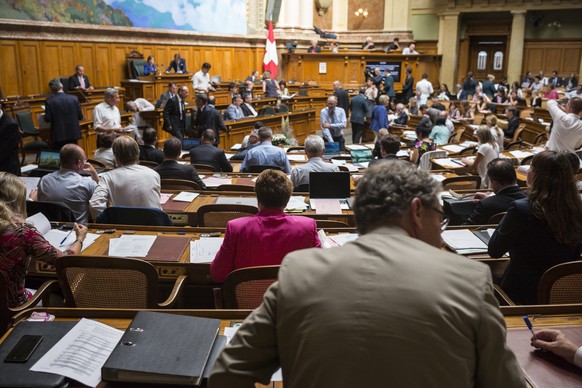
(488, 55)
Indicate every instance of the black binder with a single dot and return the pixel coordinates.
(163, 348)
(19, 375)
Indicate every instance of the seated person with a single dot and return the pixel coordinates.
(368, 44)
(247, 106)
(104, 153)
(266, 154)
(207, 153)
(423, 143)
(436, 104)
(513, 121)
(400, 117)
(148, 150)
(264, 238)
(542, 230)
(249, 141)
(377, 151)
(19, 241)
(314, 147)
(410, 50)
(127, 185)
(234, 111)
(79, 80)
(178, 64)
(150, 66)
(503, 181)
(314, 48)
(439, 133)
(390, 147)
(171, 169)
(249, 85)
(487, 150)
(67, 186)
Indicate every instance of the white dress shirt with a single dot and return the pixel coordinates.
(106, 116)
(200, 81)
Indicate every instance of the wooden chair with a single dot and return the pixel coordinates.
(516, 134)
(541, 138)
(148, 163)
(244, 288)
(96, 163)
(467, 151)
(561, 284)
(324, 224)
(243, 188)
(130, 215)
(54, 211)
(304, 188)
(6, 313)
(496, 218)
(502, 298)
(204, 167)
(218, 215)
(295, 149)
(179, 184)
(455, 137)
(283, 108)
(260, 168)
(514, 145)
(527, 160)
(465, 182)
(112, 283)
(27, 129)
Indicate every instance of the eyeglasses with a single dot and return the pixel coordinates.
(444, 219)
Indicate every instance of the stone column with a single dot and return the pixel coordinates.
(339, 19)
(441, 34)
(515, 56)
(306, 7)
(450, 47)
(289, 18)
(396, 15)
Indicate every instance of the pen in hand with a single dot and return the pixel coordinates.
(529, 325)
(66, 237)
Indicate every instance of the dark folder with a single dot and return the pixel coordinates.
(19, 375)
(164, 349)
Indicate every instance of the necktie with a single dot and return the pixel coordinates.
(182, 110)
(82, 82)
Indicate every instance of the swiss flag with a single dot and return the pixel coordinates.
(270, 61)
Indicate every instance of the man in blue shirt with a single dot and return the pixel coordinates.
(234, 111)
(266, 154)
(333, 121)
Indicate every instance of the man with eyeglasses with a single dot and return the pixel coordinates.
(67, 185)
(388, 309)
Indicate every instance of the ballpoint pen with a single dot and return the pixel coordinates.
(529, 325)
(66, 237)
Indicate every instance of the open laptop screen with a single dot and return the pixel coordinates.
(359, 156)
(49, 160)
(329, 185)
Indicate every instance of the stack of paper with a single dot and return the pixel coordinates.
(164, 197)
(454, 148)
(131, 245)
(296, 157)
(343, 238)
(205, 249)
(296, 203)
(58, 238)
(212, 181)
(249, 201)
(463, 241)
(449, 163)
(356, 147)
(186, 196)
(520, 154)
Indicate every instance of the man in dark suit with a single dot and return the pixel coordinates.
(79, 80)
(148, 150)
(208, 117)
(9, 140)
(178, 65)
(208, 154)
(360, 109)
(407, 88)
(171, 169)
(343, 100)
(390, 145)
(254, 77)
(247, 106)
(389, 86)
(503, 180)
(512, 121)
(63, 111)
(175, 113)
(555, 79)
(172, 91)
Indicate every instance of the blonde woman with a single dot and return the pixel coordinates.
(497, 132)
(270, 87)
(487, 150)
(20, 241)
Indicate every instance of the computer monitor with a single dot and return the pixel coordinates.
(328, 185)
(49, 160)
(361, 156)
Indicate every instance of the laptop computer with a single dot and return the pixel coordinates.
(49, 160)
(359, 156)
(216, 79)
(329, 185)
(189, 143)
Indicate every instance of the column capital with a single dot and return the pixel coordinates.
(449, 14)
(517, 12)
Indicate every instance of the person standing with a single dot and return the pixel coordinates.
(172, 91)
(424, 88)
(566, 132)
(343, 100)
(270, 88)
(63, 111)
(175, 113)
(201, 80)
(208, 117)
(360, 109)
(332, 120)
(9, 141)
(407, 88)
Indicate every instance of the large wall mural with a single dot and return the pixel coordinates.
(212, 16)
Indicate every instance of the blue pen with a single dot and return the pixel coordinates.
(529, 325)
(66, 237)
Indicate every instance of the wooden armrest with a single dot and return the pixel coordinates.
(218, 300)
(43, 293)
(502, 297)
(175, 294)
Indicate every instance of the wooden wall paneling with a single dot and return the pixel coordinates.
(223, 63)
(67, 60)
(571, 61)
(86, 57)
(10, 76)
(355, 69)
(161, 56)
(118, 63)
(51, 55)
(103, 69)
(553, 59)
(198, 58)
(31, 74)
(462, 64)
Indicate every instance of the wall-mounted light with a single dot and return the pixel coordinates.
(555, 24)
(362, 12)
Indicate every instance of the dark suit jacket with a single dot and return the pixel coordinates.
(360, 109)
(246, 111)
(389, 85)
(151, 153)
(165, 97)
(497, 203)
(63, 111)
(512, 126)
(209, 154)
(343, 100)
(489, 88)
(533, 250)
(74, 82)
(210, 118)
(9, 140)
(243, 152)
(402, 119)
(172, 116)
(181, 66)
(317, 49)
(171, 169)
(407, 88)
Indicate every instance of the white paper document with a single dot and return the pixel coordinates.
(205, 249)
(164, 197)
(56, 236)
(454, 148)
(402, 153)
(356, 147)
(40, 222)
(449, 162)
(31, 184)
(185, 196)
(296, 202)
(237, 201)
(81, 353)
(520, 154)
(438, 177)
(343, 238)
(215, 182)
(131, 245)
(296, 157)
(325, 241)
(326, 206)
(463, 241)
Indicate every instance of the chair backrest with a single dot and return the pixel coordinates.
(426, 159)
(260, 168)
(26, 123)
(514, 145)
(96, 163)
(467, 182)
(65, 83)
(330, 224)
(137, 68)
(468, 151)
(54, 211)
(128, 215)
(218, 215)
(266, 111)
(148, 163)
(244, 288)
(561, 284)
(304, 188)
(517, 133)
(527, 160)
(496, 218)
(243, 188)
(204, 167)
(455, 137)
(299, 149)
(283, 108)
(107, 282)
(179, 184)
